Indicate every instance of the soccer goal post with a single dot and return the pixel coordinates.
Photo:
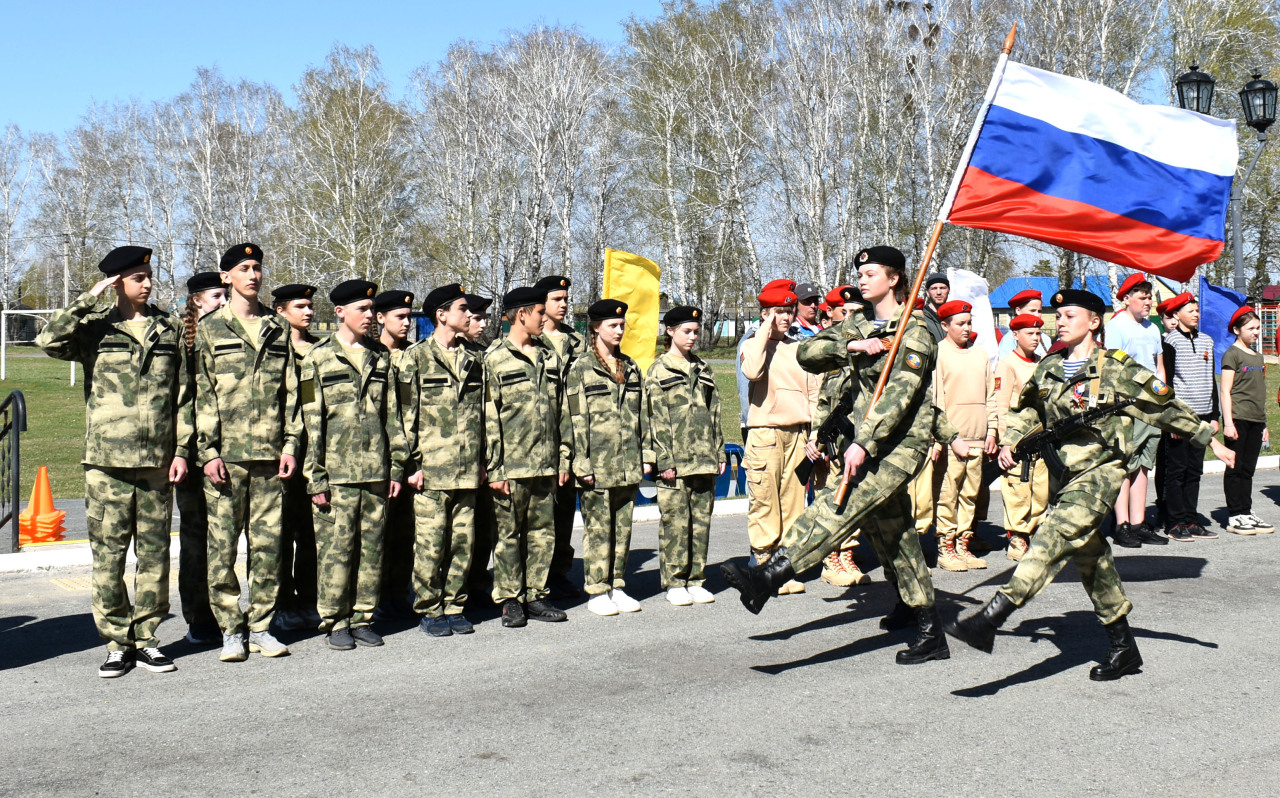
(42, 313)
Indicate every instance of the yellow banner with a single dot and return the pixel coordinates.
(634, 280)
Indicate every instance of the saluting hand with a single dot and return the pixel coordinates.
(103, 285)
(216, 471)
(178, 469)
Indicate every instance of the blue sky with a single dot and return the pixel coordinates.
(61, 55)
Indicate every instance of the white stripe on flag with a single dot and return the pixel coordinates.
(1170, 135)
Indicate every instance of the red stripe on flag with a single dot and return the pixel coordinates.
(988, 202)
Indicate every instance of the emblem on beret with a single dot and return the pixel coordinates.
(619, 311)
(248, 250)
(564, 283)
(146, 258)
(369, 292)
(407, 300)
(1057, 298)
(307, 292)
(913, 360)
(695, 314)
(862, 257)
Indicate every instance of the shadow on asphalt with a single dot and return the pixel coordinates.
(24, 640)
(864, 645)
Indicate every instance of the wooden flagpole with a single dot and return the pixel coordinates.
(943, 213)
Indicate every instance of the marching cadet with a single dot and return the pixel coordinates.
(137, 430)
(248, 433)
(528, 446)
(568, 345)
(1084, 375)
(1024, 502)
(479, 583)
(604, 401)
(296, 604)
(205, 294)
(356, 460)
(890, 445)
(394, 313)
(684, 445)
(441, 383)
(965, 392)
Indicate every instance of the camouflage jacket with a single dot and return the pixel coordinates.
(352, 418)
(138, 396)
(607, 422)
(443, 415)
(526, 422)
(1049, 397)
(900, 427)
(298, 356)
(682, 408)
(246, 396)
(568, 348)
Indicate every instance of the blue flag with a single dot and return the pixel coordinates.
(1216, 306)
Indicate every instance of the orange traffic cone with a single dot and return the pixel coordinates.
(41, 523)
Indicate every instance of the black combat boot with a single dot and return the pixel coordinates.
(1123, 657)
(901, 616)
(1146, 534)
(979, 629)
(759, 583)
(1126, 537)
(930, 644)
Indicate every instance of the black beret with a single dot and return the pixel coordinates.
(478, 304)
(607, 309)
(553, 282)
(292, 291)
(392, 300)
(444, 295)
(1073, 297)
(934, 279)
(240, 252)
(350, 291)
(203, 281)
(885, 256)
(681, 314)
(524, 297)
(851, 293)
(121, 258)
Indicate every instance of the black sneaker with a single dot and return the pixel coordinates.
(1198, 531)
(513, 614)
(365, 636)
(118, 664)
(544, 611)
(341, 640)
(1124, 536)
(436, 626)
(460, 625)
(1146, 534)
(1181, 533)
(153, 660)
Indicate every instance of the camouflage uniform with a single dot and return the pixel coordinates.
(568, 347)
(137, 419)
(298, 567)
(607, 429)
(527, 443)
(682, 432)
(834, 386)
(442, 399)
(896, 434)
(1096, 461)
(246, 414)
(397, 543)
(355, 446)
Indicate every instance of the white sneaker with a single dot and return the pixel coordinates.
(1241, 525)
(624, 602)
(1262, 527)
(679, 597)
(602, 605)
(701, 595)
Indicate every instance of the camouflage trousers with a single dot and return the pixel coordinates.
(685, 531)
(878, 503)
(1070, 531)
(249, 503)
(123, 506)
(443, 543)
(349, 542)
(398, 559)
(297, 549)
(525, 539)
(606, 536)
(193, 552)
(566, 504)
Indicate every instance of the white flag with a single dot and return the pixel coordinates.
(972, 288)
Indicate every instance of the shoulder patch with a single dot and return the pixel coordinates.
(914, 361)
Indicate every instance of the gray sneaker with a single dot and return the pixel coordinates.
(265, 643)
(233, 649)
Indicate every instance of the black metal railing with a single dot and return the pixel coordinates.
(13, 421)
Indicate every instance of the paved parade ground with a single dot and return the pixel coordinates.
(804, 699)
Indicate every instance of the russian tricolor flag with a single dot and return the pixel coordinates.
(1080, 166)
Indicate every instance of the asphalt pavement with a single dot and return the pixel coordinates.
(804, 699)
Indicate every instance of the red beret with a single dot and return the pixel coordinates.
(1236, 316)
(919, 303)
(1131, 282)
(825, 306)
(785, 285)
(1025, 320)
(1023, 297)
(1163, 308)
(953, 307)
(973, 336)
(1177, 303)
(834, 298)
(776, 297)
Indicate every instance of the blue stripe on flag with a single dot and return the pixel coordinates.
(1217, 304)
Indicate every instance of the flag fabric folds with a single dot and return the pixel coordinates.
(1077, 165)
(1217, 304)
(635, 280)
